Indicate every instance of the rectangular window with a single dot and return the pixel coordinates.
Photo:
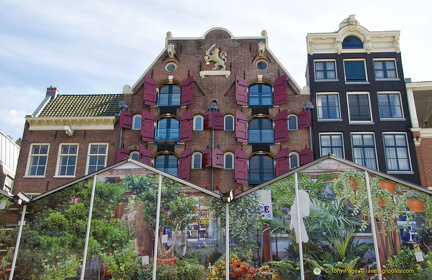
(331, 144)
(390, 105)
(37, 161)
(8, 184)
(385, 69)
(355, 71)
(325, 70)
(396, 152)
(97, 156)
(328, 106)
(359, 107)
(67, 159)
(364, 152)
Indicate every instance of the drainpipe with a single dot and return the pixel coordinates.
(213, 108)
(123, 107)
(309, 106)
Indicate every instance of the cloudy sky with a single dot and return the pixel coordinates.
(97, 46)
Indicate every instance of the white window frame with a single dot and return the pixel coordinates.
(59, 160)
(225, 161)
(332, 133)
(318, 108)
(134, 153)
(325, 80)
(400, 102)
(193, 160)
(89, 155)
(296, 121)
(370, 108)
(366, 81)
(134, 119)
(298, 159)
(8, 184)
(375, 147)
(408, 154)
(233, 122)
(386, 79)
(30, 156)
(195, 123)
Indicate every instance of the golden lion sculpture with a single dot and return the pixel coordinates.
(218, 57)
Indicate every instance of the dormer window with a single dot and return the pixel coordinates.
(352, 42)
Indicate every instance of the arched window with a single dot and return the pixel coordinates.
(260, 95)
(229, 123)
(261, 169)
(198, 122)
(292, 122)
(169, 95)
(261, 131)
(168, 130)
(352, 42)
(293, 160)
(134, 155)
(196, 161)
(136, 122)
(167, 163)
(229, 161)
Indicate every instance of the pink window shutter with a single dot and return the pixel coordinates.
(281, 127)
(218, 120)
(240, 167)
(208, 120)
(188, 88)
(282, 162)
(217, 158)
(306, 156)
(150, 91)
(207, 158)
(186, 126)
(147, 126)
(241, 91)
(304, 120)
(125, 119)
(145, 156)
(241, 127)
(185, 161)
(122, 154)
(280, 91)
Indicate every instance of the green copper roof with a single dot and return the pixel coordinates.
(83, 105)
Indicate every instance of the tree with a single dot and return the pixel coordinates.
(177, 208)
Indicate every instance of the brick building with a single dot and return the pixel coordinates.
(218, 111)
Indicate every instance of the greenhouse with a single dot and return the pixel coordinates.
(329, 219)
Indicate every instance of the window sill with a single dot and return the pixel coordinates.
(400, 172)
(387, 79)
(357, 83)
(327, 80)
(34, 177)
(393, 119)
(60, 176)
(330, 120)
(361, 123)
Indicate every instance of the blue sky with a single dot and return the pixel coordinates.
(98, 46)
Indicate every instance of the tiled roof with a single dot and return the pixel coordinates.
(82, 105)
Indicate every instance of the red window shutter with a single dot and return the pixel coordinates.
(240, 167)
(218, 120)
(304, 119)
(280, 91)
(125, 119)
(207, 158)
(188, 88)
(147, 126)
(281, 127)
(149, 92)
(208, 119)
(186, 126)
(145, 156)
(306, 156)
(241, 127)
(282, 162)
(122, 154)
(185, 161)
(241, 91)
(217, 158)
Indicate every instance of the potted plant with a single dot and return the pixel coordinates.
(387, 185)
(414, 201)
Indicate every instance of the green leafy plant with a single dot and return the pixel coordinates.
(190, 269)
(123, 263)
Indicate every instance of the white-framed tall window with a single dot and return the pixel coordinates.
(196, 160)
(331, 143)
(385, 68)
(359, 109)
(37, 160)
(390, 105)
(355, 70)
(294, 160)
(292, 122)
(328, 106)
(396, 152)
(198, 122)
(229, 123)
(325, 70)
(67, 159)
(97, 157)
(229, 161)
(363, 149)
(136, 122)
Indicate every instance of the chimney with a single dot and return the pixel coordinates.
(52, 92)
